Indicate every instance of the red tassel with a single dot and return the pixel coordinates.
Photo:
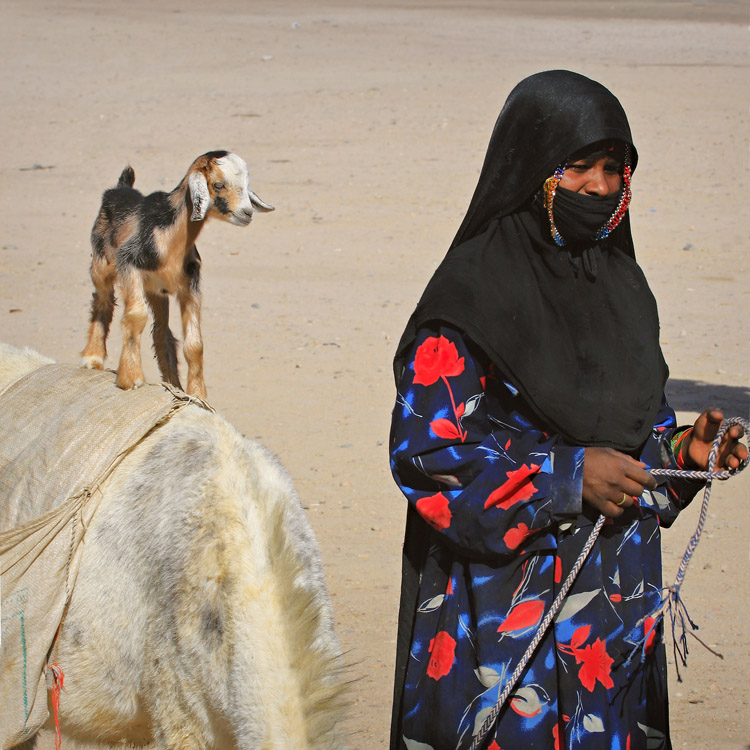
(55, 679)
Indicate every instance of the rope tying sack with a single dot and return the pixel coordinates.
(671, 601)
(64, 431)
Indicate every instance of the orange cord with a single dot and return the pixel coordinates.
(56, 677)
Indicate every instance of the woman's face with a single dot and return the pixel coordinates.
(596, 174)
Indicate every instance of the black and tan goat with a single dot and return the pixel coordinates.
(146, 246)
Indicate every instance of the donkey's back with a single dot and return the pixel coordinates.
(200, 617)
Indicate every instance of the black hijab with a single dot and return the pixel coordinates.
(574, 328)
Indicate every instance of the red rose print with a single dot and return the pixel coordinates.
(649, 631)
(515, 537)
(435, 511)
(517, 488)
(580, 636)
(444, 428)
(597, 665)
(442, 654)
(436, 357)
(522, 616)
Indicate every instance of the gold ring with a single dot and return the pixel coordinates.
(622, 502)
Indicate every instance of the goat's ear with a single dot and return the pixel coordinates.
(258, 204)
(199, 195)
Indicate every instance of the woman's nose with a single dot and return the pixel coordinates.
(596, 183)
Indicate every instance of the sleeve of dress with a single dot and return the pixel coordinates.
(673, 494)
(470, 463)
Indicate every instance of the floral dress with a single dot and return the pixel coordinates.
(502, 504)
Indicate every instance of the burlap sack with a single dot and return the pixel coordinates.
(62, 431)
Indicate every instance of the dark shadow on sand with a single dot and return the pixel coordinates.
(695, 395)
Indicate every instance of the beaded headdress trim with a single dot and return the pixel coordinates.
(550, 188)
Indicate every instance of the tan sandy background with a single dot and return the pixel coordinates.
(366, 125)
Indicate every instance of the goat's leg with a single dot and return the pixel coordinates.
(103, 275)
(190, 306)
(130, 370)
(165, 344)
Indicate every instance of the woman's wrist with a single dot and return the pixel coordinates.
(680, 447)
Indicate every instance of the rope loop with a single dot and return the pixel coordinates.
(671, 603)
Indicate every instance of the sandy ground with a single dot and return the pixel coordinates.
(366, 125)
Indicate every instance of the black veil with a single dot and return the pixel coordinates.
(583, 351)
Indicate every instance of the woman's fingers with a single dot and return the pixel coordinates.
(707, 425)
(606, 507)
(732, 452)
(626, 495)
(636, 473)
(634, 489)
(612, 479)
(698, 443)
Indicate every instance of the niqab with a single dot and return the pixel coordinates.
(575, 328)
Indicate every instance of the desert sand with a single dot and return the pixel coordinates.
(365, 124)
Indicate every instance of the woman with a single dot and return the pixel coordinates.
(530, 401)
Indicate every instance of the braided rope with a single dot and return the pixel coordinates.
(708, 477)
(671, 601)
(541, 630)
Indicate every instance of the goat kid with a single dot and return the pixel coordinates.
(146, 246)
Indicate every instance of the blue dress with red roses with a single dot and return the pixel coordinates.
(501, 502)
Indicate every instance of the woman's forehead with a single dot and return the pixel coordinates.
(600, 150)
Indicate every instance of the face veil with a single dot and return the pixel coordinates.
(582, 348)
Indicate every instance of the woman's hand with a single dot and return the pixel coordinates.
(696, 445)
(612, 479)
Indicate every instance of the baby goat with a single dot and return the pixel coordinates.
(146, 245)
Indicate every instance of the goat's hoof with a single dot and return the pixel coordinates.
(92, 362)
(128, 384)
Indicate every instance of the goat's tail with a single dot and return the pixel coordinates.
(127, 178)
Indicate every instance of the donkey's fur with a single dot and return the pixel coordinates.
(200, 617)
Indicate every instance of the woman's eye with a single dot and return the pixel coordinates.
(218, 185)
(579, 168)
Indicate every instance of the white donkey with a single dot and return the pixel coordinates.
(200, 617)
